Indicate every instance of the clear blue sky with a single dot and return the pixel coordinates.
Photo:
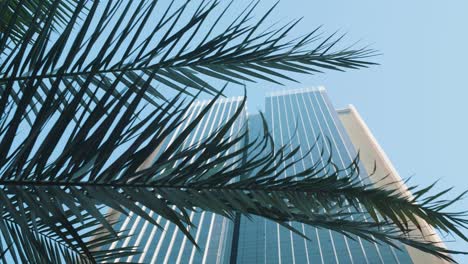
(414, 102)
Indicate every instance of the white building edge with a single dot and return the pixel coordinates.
(373, 158)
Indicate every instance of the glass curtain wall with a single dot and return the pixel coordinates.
(298, 118)
(213, 233)
(295, 117)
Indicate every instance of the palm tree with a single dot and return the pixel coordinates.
(90, 90)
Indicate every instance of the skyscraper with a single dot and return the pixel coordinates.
(297, 117)
(213, 233)
(373, 157)
(302, 116)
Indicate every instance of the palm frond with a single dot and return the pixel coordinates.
(17, 18)
(76, 131)
(175, 45)
(100, 163)
(35, 236)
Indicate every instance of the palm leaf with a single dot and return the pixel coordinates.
(81, 112)
(174, 45)
(18, 17)
(35, 236)
(207, 175)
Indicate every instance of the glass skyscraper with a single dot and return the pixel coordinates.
(301, 116)
(295, 117)
(213, 233)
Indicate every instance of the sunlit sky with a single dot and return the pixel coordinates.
(415, 101)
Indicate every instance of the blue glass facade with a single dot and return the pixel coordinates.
(213, 233)
(297, 115)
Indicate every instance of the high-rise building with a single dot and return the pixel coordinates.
(374, 159)
(298, 118)
(301, 116)
(213, 233)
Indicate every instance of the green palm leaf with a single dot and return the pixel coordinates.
(207, 175)
(81, 112)
(18, 17)
(35, 236)
(125, 41)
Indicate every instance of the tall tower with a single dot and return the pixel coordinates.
(372, 156)
(213, 233)
(298, 118)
